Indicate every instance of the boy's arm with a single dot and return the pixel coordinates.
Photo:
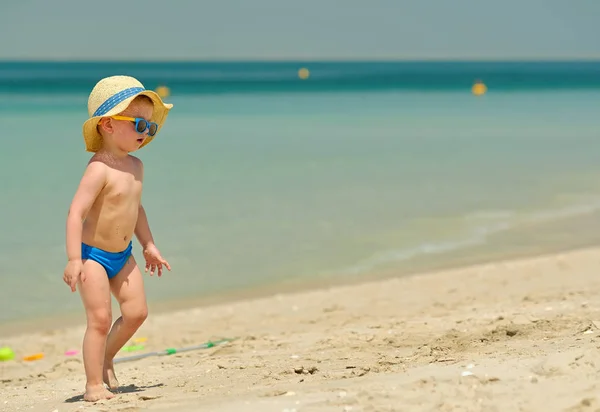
(154, 260)
(91, 184)
(142, 229)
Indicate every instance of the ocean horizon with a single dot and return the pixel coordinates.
(260, 178)
(211, 77)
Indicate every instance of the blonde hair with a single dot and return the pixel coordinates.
(142, 97)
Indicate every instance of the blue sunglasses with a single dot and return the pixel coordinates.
(141, 125)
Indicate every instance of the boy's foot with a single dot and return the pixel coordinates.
(97, 393)
(109, 375)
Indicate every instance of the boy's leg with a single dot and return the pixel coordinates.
(95, 294)
(128, 289)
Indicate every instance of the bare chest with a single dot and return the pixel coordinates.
(122, 187)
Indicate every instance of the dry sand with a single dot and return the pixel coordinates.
(510, 336)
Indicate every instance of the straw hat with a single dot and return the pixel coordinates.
(110, 97)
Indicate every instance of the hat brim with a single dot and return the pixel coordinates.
(93, 138)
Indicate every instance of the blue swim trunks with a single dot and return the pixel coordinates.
(112, 262)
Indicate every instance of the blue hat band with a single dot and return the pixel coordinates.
(115, 99)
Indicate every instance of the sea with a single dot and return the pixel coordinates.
(275, 176)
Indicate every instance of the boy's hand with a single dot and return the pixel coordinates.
(154, 260)
(74, 272)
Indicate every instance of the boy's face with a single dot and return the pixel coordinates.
(123, 132)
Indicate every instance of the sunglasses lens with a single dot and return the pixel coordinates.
(141, 126)
(153, 129)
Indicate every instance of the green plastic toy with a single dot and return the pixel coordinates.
(6, 354)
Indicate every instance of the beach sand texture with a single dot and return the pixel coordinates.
(517, 335)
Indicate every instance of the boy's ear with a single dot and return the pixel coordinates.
(106, 124)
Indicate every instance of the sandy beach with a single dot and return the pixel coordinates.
(518, 335)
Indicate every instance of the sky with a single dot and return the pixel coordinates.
(298, 29)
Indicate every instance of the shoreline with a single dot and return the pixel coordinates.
(287, 287)
(514, 334)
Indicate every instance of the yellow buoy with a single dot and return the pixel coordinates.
(479, 89)
(303, 73)
(163, 91)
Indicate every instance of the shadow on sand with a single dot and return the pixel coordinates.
(123, 389)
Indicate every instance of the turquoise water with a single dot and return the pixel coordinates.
(253, 185)
(277, 77)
